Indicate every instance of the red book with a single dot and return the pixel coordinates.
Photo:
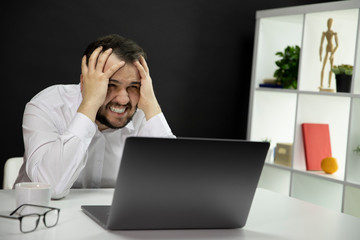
(317, 146)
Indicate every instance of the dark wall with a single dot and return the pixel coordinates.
(200, 55)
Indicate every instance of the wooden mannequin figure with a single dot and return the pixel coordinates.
(329, 34)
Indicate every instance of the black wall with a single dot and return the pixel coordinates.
(200, 56)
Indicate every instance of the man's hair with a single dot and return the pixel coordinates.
(124, 48)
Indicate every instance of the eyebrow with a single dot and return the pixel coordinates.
(118, 82)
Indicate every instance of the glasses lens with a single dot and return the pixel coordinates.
(51, 218)
(29, 223)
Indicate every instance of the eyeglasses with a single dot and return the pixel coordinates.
(30, 221)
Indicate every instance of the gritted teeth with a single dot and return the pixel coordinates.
(118, 110)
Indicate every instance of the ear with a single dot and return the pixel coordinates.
(81, 82)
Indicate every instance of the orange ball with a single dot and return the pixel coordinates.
(329, 165)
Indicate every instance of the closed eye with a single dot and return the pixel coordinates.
(111, 85)
(135, 85)
(133, 88)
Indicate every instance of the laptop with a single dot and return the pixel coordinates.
(183, 183)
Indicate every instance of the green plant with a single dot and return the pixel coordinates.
(342, 69)
(357, 149)
(288, 65)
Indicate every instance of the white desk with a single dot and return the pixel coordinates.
(272, 216)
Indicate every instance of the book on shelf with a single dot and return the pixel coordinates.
(270, 83)
(317, 145)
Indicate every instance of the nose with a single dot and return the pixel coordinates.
(122, 97)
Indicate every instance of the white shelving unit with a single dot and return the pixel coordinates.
(277, 114)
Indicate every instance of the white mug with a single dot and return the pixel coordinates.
(33, 193)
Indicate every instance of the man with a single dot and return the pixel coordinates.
(74, 134)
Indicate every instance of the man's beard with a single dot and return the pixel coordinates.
(103, 120)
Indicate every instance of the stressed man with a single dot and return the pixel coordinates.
(74, 134)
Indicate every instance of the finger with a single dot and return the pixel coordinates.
(114, 68)
(144, 63)
(84, 67)
(93, 58)
(141, 69)
(103, 57)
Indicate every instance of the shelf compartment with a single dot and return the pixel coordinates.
(275, 179)
(352, 201)
(331, 109)
(345, 24)
(273, 117)
(316, 190)
(353, 158)
(271, 39)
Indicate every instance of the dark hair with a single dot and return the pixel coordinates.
(122, 47)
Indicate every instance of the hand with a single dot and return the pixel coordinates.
(94, 81)
(147, 102)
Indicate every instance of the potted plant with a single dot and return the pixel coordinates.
(343, 76)
(287, 73)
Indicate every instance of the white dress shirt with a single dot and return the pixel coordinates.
(65, 148)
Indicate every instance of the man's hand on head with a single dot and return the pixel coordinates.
(94, 81)
(147, 102)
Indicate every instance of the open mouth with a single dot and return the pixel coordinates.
(118, 110)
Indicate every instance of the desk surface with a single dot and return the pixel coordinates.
(272, 216)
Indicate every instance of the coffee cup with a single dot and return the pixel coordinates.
(36, 193)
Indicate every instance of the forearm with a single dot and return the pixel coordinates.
(157, 126)
(321, 44)
(53, 157)
(151, 109)
(88, 110)
(59, 164)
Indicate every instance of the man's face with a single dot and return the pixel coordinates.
(122, 96)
